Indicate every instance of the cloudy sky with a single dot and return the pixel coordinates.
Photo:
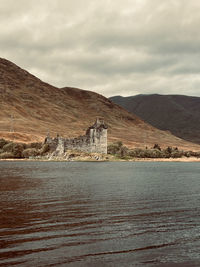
(113, 47)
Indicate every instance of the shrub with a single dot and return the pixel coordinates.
(113, 148)
(133, 153)
(18, 150)
(177, 154)
(123, 152)
(153, 153)
(8, 147)
(36, 145)
(145, 153)
(137, 153)
(118, 149)
(15, 148)
(30, 152)
(45, 148)
(191, 154)
(119, 144)
(169, 149)
(7, 155)
(3, 142)
(156, 146)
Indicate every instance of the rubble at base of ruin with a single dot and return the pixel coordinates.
(95, 140)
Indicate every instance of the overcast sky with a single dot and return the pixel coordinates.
(113, 47)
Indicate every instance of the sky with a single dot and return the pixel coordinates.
(112, 47)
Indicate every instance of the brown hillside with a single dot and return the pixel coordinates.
(37, 107)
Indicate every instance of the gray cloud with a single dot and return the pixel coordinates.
(111, 47)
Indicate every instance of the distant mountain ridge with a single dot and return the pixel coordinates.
(178, 114)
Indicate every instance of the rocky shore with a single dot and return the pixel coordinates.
(94, 157)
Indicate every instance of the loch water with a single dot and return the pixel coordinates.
(99, 214)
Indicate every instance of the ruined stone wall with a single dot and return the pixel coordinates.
(52, 142)
(98, 140)
(95, 140)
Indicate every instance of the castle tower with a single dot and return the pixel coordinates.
(98, 136)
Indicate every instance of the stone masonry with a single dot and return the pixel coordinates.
(94, 140)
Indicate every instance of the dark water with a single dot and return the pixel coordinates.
(99, 214)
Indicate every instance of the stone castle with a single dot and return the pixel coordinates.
(94, 140)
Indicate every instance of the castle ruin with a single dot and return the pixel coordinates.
(94, 140)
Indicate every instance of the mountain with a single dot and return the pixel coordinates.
(29, 108)
(178, 114)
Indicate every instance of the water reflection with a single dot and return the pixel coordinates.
(109, 214)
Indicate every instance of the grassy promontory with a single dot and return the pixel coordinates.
(116, 152)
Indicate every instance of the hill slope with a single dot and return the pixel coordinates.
(177, 113)
(37, 107)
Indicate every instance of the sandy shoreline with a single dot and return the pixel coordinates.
(190, 159)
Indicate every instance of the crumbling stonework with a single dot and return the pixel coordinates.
(95, 140)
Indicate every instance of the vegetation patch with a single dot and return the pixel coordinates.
(11, 150)
(6, 155)
(120, 151)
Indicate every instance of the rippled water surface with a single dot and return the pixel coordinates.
(99, 214)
